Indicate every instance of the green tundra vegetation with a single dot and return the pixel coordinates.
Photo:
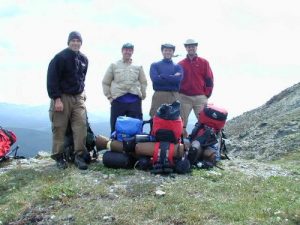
(100, 195)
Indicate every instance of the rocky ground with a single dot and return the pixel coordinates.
(248, 167)
(269, 131)
(136, 184)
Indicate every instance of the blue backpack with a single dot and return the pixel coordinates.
(127, 127)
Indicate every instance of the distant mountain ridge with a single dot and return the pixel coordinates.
(35, 117)
(268, 131)
(33, 128)
(31, 141)
(22, 116)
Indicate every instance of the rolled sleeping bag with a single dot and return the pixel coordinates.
(128, 144)
(118, 147)
(202, 154)
(209, 154)
(103, 142)
(118, 160)
(147, 149)
(115, 146)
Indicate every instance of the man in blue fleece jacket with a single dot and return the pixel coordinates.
(166, 77)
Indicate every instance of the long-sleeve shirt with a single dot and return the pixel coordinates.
(163, 76)
(66, 73)
(198, 77)
(122, 78)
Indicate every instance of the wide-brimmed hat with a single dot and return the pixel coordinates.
(190, 42)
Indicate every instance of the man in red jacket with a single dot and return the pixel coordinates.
(197, 84)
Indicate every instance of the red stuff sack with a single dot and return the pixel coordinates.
(213, 116)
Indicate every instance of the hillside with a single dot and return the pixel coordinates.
(269, 131)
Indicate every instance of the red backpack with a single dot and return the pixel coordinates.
(167, 130)
(206, 133)
(213, 116)
(7, 139)
(211, 121)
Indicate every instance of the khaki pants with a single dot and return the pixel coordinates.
(187, 103)
(74, 111)
(162, 97)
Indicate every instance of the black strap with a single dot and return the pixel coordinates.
(223, 148)
(195, 131)
(163, 155)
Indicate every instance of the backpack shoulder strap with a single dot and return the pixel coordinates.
(171, 153)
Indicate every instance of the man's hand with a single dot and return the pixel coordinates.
(58, 105)
(177, 74)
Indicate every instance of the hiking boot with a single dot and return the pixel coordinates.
(61, 163)
(80, 162)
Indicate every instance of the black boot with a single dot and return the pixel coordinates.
(80, 162)
(61, 163)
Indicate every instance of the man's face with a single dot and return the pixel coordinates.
(191, 49)
(75, 45)
(127, 53)
(167, 53)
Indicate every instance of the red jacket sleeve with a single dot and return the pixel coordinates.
(209, 81)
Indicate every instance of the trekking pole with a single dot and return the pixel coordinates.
(219, 167)
(16, 151)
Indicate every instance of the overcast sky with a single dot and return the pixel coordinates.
(252, 46)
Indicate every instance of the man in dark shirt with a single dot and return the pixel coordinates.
(65, 86)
